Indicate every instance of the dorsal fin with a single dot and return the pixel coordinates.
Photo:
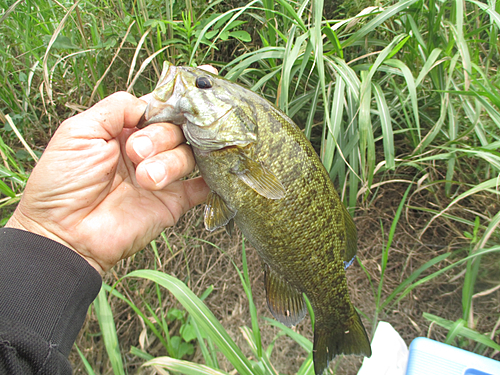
(285, 302)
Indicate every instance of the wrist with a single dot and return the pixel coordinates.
(21, 221)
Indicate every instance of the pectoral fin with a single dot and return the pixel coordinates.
(351, 242)
(285, 302)
(217, 213)
(259, 178)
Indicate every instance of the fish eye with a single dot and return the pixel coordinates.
(203, 82)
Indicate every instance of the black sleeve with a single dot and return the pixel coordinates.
(45, 292)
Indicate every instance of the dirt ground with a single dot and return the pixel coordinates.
(192, 259)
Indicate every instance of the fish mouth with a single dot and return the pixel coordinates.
(160, 107)
(160, 111)
(146, 120)
(142, 121)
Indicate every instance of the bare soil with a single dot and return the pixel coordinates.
(202, 259)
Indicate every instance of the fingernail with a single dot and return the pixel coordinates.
(209, 68)
(143, 146)
(156, 171)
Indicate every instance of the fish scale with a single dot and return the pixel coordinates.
(264, 174)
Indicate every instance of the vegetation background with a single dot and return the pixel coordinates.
(400, 99)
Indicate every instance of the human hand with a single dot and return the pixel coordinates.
(104, 188)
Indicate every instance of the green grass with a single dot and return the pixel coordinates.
(406, 93)
(206, 328)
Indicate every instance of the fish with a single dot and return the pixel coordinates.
(265, 176)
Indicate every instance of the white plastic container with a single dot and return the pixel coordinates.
(429, 357)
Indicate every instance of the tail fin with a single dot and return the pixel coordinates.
(329, 343)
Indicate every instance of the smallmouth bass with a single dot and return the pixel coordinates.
(265, 176)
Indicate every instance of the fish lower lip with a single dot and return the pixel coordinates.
(142, 121)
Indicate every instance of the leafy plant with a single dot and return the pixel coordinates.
(181, 345)
(204, 321)
(12, 173)
(459, 329)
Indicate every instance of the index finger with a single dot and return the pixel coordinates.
(107, 118)
(152, 140)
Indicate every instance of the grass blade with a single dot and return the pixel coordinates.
(461, 43)
(86, 363)
(495, 16)
(184, 367)
(98, 83)
(203, 316)
(379, 19)
(247, 286)
(412, 278)
(337, 106)
(150, 324)
(486, 185)
(297, 337)
(21, 138)
(312, 112)
(386, 122)
(412, 89)
(462, 331)
(307, 367)
(348, 75)
(366, 141)
(480, 252)
(108, 330)
(213, 22)
(48, 84)
(430, 63)
(385, 254)
(250, 58)
(294, 14)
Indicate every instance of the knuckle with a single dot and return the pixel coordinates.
(120, 95)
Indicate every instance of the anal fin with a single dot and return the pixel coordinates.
(285, 302)
(217, 213)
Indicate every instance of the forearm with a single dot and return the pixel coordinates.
(45, 291)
